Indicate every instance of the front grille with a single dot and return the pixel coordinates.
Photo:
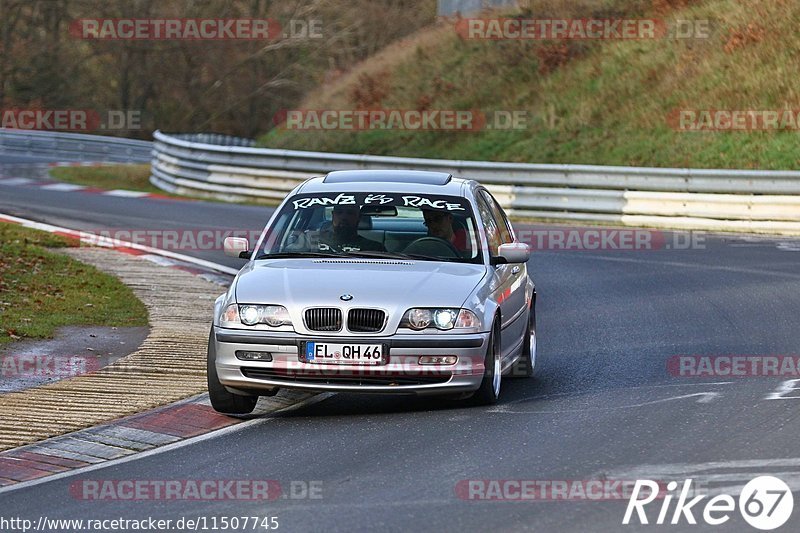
(332, 376)
(324, 319)
(365, 320)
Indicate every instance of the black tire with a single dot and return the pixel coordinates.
(489, 391)
(525, 365)
(222, 400)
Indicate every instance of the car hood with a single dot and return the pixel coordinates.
(386, 284)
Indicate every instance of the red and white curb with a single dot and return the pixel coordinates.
(95, 445)
(136, 436)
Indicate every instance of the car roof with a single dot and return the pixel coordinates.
(392, 176)
(398, 181)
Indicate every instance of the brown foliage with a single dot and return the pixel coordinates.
(662, 7)
(743, 36)
(552, 56)
(370, 90)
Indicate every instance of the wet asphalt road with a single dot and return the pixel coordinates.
(604, 404)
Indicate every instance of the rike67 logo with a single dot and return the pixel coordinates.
(765, 503)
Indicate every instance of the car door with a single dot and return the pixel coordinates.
(509, 279)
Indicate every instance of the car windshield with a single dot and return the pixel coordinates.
(409, 226)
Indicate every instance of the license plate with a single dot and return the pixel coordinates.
(343, 354)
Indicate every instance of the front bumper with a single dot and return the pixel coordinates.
(402, 373)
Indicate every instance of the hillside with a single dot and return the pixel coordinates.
(610, 102)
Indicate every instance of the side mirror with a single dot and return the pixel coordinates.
(236, 247)
(512, 252)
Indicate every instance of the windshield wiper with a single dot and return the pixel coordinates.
(297, 255)
(381, 255)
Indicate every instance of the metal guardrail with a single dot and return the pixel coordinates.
(215, 138)
(736, 200)
(74, 147)
(231, 168)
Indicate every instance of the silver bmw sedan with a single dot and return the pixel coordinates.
(403, 282)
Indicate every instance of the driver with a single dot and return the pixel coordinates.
(440, 225)
(344, 235)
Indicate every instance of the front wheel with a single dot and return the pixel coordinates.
(489, 391)
(222, 400)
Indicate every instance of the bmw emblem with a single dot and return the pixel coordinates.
(346, 297)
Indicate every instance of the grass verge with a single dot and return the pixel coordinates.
(42, 290)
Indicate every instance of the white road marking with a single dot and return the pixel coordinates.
(703, 397)
(690, 265)
(635, 387)
(782, 246)
(786, 387)
(714, 477)
(16, 181)
(65, 187)
(701, 384)
(126, 194)
(687, 469)
(157, 259)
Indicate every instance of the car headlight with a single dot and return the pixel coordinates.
(440, 318)
(419, 318)
(444, 318)
(251, 315)
(230, 317)
(467, 319)
(275, 316)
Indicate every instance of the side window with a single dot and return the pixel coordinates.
(499, 217)
(490, 226)
(272, 238)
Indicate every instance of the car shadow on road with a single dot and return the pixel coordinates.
(355, 404)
